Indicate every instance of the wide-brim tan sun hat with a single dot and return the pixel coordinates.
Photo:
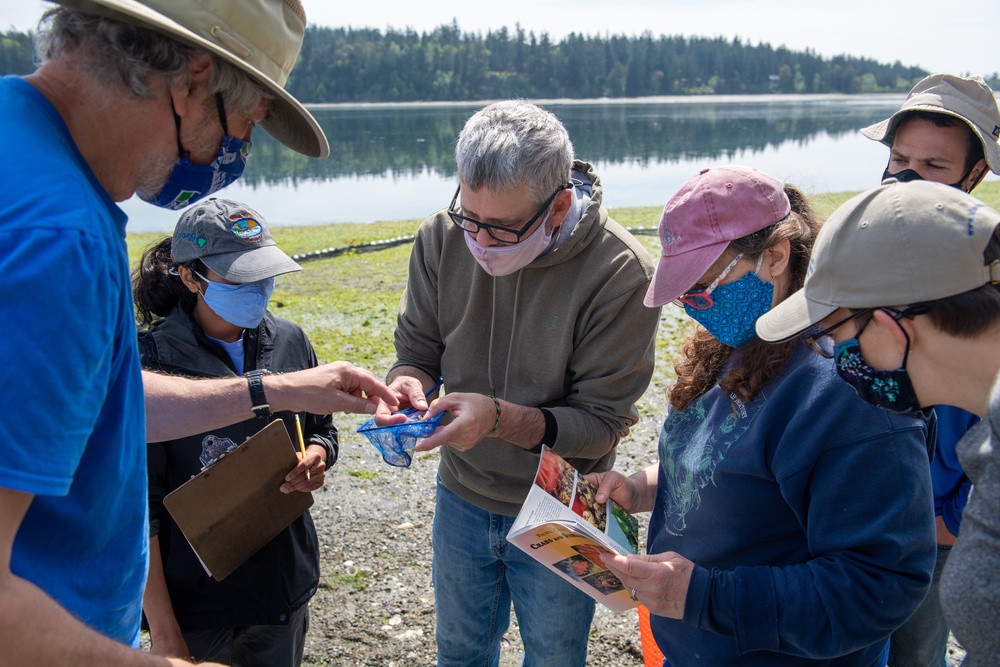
(259, 37)
(969, 99)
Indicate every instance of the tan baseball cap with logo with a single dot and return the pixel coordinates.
(260, 37)
(894, 245)
(966, 98)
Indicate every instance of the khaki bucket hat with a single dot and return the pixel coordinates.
(969, 99)
(259, 37)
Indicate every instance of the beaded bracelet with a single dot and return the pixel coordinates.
(496, 425)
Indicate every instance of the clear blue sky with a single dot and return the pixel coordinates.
(957, 36)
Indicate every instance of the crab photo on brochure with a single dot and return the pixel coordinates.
(562, 526)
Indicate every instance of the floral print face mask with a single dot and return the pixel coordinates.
(889, 390)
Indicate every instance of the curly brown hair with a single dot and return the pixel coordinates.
(703, 357)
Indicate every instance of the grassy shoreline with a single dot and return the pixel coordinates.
(347, 304)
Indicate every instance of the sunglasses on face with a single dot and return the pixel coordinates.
(702, 299)
(824, 344)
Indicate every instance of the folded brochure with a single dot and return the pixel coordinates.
(562, 526)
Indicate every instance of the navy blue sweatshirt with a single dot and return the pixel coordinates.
(808, 514)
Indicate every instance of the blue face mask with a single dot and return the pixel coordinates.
(735, 310)
(241, 305)
(189, 182)
(889, 390)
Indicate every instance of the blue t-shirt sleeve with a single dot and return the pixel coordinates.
(56, 356)
(951, 485)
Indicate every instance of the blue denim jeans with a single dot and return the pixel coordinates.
(923, 640)
(478, 575)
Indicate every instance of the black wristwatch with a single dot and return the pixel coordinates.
(261, 408)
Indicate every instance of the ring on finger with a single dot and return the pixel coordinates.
(632, 594)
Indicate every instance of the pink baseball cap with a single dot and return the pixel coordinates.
(703, 216)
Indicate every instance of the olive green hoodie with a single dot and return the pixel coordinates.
(569, 333)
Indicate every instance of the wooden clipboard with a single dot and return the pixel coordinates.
(234, 507)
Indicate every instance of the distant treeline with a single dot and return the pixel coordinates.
(446, 64)
(348, 65)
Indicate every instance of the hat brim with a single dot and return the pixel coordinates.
(792, 317)
(288, 121)
(251, 266)
(675, 274)
(878, 131)
(881, 131)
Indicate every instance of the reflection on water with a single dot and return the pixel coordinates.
(397, 162)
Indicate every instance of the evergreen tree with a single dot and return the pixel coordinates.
(447, 64)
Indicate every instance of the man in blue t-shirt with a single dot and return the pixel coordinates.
(165, 111)
(946, 131)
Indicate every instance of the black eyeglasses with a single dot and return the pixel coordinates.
(822, 342)
(502, 234)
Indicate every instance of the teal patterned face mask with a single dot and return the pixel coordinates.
(735, 310)
(889, 390)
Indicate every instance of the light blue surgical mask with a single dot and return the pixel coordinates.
(190, 182)
(241, 305)
(735, 309)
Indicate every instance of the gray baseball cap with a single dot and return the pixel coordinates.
(897, 244)
(231, 239)
(967, 98)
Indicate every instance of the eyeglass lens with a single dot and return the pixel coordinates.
(502, 234)
(824, 344)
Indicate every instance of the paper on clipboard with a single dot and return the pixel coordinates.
(234, 507)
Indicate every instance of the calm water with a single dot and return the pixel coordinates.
(397, 162)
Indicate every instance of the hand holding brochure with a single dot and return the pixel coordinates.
(563, 527)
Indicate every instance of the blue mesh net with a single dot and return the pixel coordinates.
(396, 441)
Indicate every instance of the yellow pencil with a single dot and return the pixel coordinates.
(302, 443)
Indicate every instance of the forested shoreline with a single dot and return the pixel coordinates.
(448, 64)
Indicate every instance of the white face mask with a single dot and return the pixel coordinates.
(502, 260)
